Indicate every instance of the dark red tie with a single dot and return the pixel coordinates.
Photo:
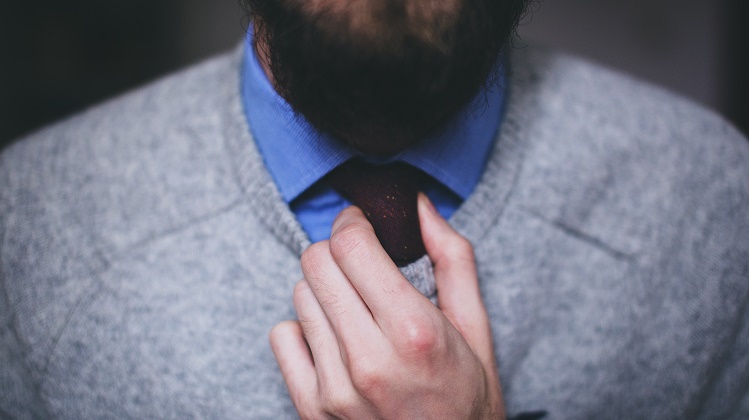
(387, 196)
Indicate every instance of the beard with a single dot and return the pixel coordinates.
(381, 75)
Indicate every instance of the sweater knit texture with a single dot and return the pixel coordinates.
(145, 253)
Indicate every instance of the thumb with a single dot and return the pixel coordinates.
(458, 296)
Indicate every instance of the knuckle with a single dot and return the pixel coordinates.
(367, 376)
(340, 401)
(350, 239)
(419, 338)
(314, 257)
(461, 248)
(307, 405)
(310, 327)
(309, 413)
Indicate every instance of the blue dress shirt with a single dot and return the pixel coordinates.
(297, 155)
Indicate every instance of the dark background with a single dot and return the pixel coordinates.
(58, 57)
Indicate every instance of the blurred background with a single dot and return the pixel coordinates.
(59, 57)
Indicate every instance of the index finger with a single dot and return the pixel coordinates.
(344, 308)
(357, 251)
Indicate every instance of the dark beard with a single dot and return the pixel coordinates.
(385, 87)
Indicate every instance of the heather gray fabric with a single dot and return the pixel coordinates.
(146, 254)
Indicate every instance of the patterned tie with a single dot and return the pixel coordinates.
(387, 196)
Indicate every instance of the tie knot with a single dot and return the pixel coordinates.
(387, 196)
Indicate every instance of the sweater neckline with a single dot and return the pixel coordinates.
(472, 219)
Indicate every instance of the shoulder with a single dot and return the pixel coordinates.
(657, 178)
(134, 121)
(623, 160)
(141, 151)
(79, 194)
(662, 185)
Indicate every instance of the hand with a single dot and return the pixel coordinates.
(369, 345)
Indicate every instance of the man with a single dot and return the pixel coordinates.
(150, 244)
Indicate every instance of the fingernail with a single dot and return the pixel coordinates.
(427, 203)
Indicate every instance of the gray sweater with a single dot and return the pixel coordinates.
(145, 253)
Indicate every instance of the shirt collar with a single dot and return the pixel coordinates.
(297, 155)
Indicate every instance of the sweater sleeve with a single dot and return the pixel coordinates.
(727, 384)
(729, 396)
(19, 396)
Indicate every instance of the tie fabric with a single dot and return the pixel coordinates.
(387, 196)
